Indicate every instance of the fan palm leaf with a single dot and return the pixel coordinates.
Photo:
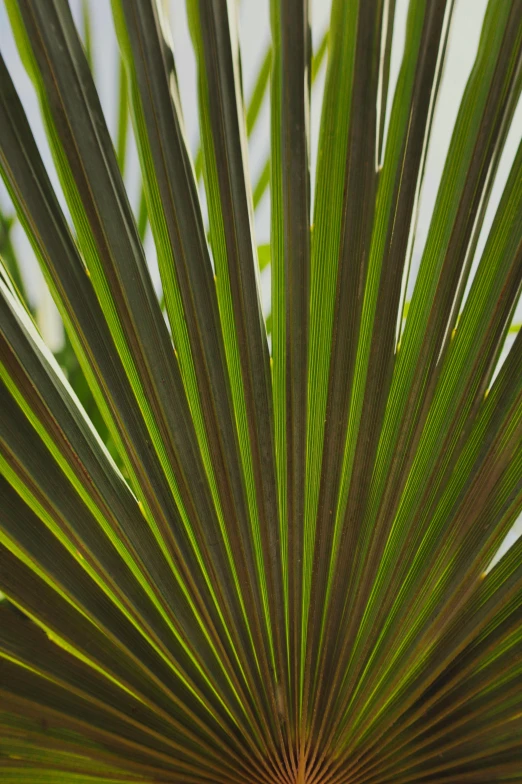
(285, 567)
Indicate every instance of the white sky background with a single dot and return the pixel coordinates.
(255, 34)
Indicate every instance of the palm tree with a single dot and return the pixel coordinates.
(274, 558)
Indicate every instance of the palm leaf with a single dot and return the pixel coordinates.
(230, 556)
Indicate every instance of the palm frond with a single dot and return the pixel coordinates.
(238, 549)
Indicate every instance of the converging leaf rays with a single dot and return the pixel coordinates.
(270, 554)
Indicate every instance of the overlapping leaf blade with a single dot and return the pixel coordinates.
(283, 572)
